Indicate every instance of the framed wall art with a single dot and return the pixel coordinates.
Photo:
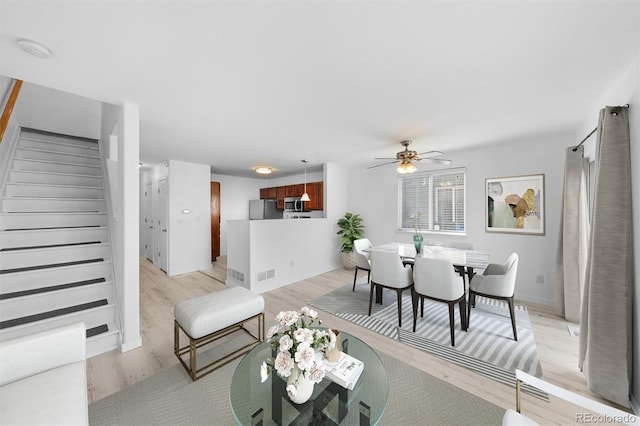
(515, 204)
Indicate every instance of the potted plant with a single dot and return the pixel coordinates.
(351, 229)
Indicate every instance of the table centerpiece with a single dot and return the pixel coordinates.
(300, 349)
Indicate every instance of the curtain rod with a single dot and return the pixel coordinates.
(575, 148)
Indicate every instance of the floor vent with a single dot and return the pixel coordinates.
(235, 275)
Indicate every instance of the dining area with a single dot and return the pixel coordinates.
(438, 273)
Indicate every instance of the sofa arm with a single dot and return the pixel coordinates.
(29, 355)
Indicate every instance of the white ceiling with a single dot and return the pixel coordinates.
(236, 84)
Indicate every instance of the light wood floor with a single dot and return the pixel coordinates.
(111, 372)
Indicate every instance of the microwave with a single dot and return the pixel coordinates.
(293, 204)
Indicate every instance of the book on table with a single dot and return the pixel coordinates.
(346, 371)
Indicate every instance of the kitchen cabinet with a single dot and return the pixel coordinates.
(294, 190)
(268, 193)
(279, 193)
(316, 194)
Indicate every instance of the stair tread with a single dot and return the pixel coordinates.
(49, 289)
(51, 227)
(51, 314)
(94, 331)
(65, 143)
(59, 135)
(55, 185)
(72, 154)
(42, 172)
(50, 265)
(50, 246)
(52, 162)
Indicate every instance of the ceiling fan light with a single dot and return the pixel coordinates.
(406, 167)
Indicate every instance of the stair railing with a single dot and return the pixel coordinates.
(8, 108)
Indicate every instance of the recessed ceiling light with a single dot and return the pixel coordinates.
(35, 49)
(263, 170)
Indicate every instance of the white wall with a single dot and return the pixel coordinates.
(55, 111)
(374, 195)
(235, 193)
(123, 217)
(189, 232)
(293, 249)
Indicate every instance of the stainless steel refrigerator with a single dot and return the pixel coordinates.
(264, 209)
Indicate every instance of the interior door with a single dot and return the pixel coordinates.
(148, 222)
(215, 220)
(161, 241)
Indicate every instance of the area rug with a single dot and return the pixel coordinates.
(171, 398)
(487, 348)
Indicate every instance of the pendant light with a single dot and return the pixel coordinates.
(305, 196)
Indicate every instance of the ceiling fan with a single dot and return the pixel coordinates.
(406, 157)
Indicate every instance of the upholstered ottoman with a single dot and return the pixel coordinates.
(213, 316)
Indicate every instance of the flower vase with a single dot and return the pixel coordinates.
(417, 242)
(299, 388)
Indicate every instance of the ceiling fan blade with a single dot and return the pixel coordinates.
(436, 160)
(385, 158)
(430, 154)
(383, 164)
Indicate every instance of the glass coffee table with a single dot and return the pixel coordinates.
(260, 404)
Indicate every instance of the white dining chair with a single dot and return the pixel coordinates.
(498, 281)
(387, 271)
(363, 262)
(436, 279)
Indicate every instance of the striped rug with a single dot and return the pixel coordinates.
(487, 348)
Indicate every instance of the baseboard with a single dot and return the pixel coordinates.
(128, 346)
(635, 406)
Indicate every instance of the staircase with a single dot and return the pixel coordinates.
(55, 257)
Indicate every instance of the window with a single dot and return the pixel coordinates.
(434, 201)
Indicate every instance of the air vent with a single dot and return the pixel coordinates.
(235, 275)
(266, 275)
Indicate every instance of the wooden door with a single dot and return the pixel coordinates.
(215, 220)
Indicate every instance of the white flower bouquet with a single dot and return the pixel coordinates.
(297, 344)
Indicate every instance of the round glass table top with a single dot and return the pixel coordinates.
(256, 403)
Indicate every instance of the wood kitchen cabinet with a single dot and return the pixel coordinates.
(268, 193)
(294, 190)
(279, 193)
(316, 194)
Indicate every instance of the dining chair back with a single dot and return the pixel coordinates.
(436, 279)
(387, 271)
(363, 261)
(498, 281)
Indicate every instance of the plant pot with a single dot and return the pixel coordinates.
(299, 388)
(349, 260)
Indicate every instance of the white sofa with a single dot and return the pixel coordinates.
(584, 414)
(43, 378)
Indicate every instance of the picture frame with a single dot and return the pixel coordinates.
(515, 204)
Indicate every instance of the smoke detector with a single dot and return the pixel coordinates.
(33, 48)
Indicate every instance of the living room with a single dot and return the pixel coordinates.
(499, 149)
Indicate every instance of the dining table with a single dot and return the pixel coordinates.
(464, 260)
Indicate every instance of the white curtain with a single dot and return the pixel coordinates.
(574, 236)
(605, 352)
